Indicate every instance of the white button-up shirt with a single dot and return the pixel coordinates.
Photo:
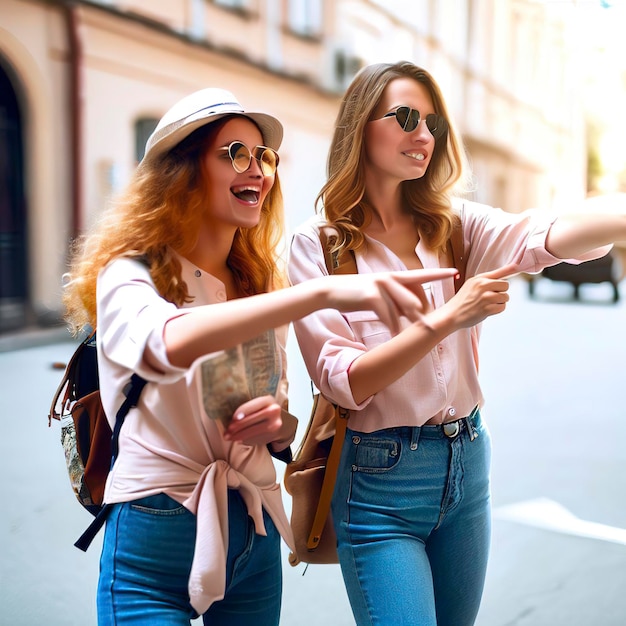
(168, 443)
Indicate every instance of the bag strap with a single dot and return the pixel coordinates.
(330, 477)
(64, 385)
(343, 262)
(132, 391)
(337, 262)
(459, 259)
(57, 394)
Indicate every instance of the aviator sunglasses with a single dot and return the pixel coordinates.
(409, 118)
(241, 157)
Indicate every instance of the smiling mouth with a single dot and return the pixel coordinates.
(246, 194)
(418, 157)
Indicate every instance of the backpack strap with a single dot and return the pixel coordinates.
(65, 387)
(132, 391)
(84, 541)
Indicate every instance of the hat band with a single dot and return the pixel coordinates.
(196, 115)
(221, 104)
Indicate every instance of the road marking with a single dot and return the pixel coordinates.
(550, 515)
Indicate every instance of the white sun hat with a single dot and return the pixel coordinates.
(205, 107)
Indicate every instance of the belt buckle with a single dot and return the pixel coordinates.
(451, 429)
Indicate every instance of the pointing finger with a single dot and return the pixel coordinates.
(504, 272)
(425, 276)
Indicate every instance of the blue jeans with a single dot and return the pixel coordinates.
(146, 559)
(412, 514)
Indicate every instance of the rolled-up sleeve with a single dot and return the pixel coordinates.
(495, 238)
(131, 319)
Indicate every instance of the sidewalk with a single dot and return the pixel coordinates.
(33, 337)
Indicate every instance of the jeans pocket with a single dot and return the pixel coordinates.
(374, 453)
(159, 504)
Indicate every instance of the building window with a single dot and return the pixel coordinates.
(143, 129)
(346, 65)
(232, 4)
(305, 17)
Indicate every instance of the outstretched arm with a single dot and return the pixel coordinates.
(214, 327)
(571, 236)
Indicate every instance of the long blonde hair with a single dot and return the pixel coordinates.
(343, 199)
(159, 213)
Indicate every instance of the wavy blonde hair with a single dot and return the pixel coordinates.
(159, 213)
(343, 198)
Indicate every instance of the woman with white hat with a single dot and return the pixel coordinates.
(181, 278)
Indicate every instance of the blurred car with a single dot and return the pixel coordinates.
(604, 269)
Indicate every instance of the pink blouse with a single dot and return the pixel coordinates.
(168, 443)
(444, 384)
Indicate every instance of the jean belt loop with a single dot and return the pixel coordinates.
(470, 423)
(415, 437)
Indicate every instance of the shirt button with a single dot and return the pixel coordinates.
(451, 411)
(198, 273)
(221, 295)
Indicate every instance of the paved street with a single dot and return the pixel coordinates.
(552, 372)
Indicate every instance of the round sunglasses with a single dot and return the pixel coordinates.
(241, 157)
(409, 118)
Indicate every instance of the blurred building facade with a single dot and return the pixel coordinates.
(82, 84)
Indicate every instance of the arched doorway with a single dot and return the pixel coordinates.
(14, 293)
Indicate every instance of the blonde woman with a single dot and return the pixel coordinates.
(411, 501)
(181, 279)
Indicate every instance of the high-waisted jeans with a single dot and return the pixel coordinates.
(412, 513)
(146, 559)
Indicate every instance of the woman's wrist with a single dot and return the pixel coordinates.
(439, 323)
(287, 432)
